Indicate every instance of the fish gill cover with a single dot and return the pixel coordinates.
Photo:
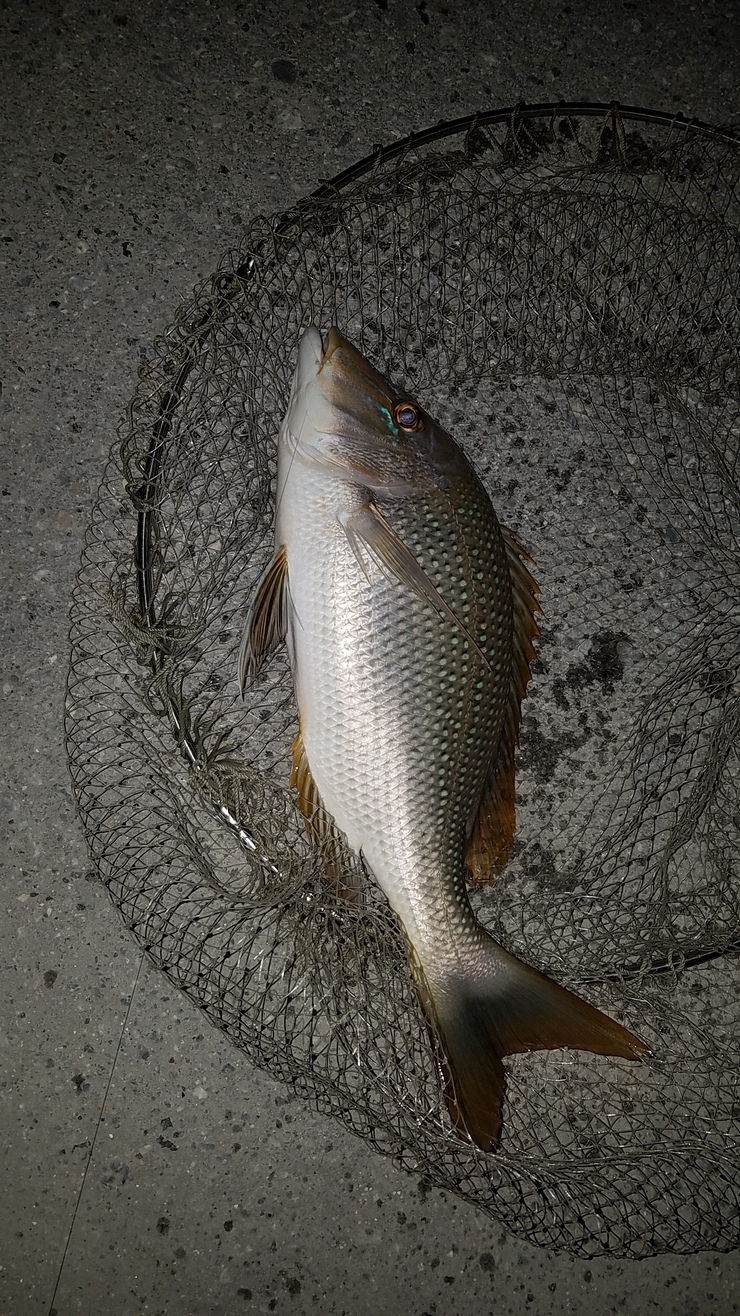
(560, 290)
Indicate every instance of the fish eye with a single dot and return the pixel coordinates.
(407, 416)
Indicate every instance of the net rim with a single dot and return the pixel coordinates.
(612, 112)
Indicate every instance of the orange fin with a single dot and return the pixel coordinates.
(321, 829)
(267, 618)
(507, 1007)
(492, 834)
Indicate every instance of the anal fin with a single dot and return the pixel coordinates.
(321, 829)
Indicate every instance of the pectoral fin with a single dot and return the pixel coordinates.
(267, 618)
(366, 528)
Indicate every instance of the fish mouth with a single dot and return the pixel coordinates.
(356, 402)
(348, 380)
(329, 344)
(346, 400)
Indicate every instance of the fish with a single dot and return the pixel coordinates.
(410, 614)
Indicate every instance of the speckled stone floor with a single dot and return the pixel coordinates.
(146, 1166)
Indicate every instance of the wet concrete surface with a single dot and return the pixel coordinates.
(146, 1166)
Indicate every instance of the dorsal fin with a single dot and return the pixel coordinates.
(320, 826)
(267, 619)
(492, 834)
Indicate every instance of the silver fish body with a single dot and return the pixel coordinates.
(409, 617)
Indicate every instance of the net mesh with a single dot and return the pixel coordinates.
(562, 293)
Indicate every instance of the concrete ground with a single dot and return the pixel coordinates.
(146, 1166)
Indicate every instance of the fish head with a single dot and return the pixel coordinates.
(349, 419)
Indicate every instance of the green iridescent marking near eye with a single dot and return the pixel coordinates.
(385, 412)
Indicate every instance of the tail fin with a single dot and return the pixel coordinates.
(505, 1008)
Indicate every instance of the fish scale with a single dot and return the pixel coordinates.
(370, 737)
(409, 618)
